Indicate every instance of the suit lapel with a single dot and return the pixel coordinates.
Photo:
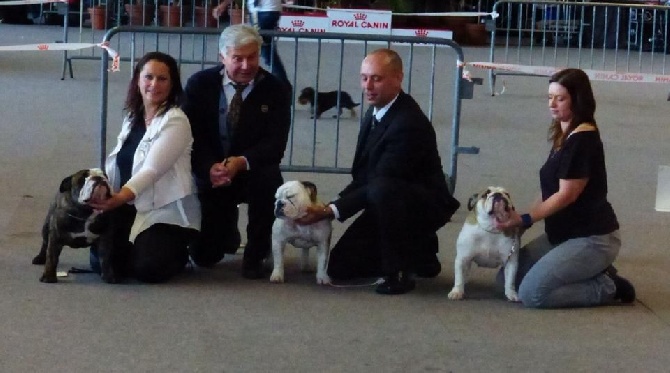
(375, 134)
(368, 138)
(362, 136)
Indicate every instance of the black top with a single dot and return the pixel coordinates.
(403, 147)
(262, 132)
(581, 156)
(124, 159)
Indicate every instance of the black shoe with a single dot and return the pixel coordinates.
(625, 291)
(253, 272)
(398, 283)
(430, 269)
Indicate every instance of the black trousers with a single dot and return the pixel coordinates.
(219, 233)
(158, 254)
(395, 232)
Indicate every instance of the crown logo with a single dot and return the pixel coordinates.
(360, 16)
(421, 33)
(42, 47)
(298, 23)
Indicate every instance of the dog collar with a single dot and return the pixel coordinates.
(81, 218)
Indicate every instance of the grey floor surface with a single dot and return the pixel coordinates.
(212, 320)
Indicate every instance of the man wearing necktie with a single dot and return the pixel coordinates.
(240, 118)
(398, 184)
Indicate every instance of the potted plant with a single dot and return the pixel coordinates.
(203, 15)
(173, 14)
(98, 14)
(235, 11)
(139, 13)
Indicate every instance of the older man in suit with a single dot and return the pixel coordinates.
(240, 117)
(397, 183)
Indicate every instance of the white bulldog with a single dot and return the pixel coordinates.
(480, 241)
(292, 198)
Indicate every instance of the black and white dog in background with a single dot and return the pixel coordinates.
(326, 101)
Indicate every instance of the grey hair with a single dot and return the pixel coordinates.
(237, 36)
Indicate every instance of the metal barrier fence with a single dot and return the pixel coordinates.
(327, 62)
(598, 36)
(102, 15)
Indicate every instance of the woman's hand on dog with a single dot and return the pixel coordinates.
(124, 196)
(314, 214)
(514, 221)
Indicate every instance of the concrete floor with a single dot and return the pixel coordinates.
(215, 321)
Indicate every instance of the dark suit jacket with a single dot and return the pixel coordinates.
(262, 132)
(403, 147)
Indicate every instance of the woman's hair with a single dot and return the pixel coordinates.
(583, 107)
(134, 104)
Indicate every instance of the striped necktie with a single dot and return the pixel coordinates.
(235, 107)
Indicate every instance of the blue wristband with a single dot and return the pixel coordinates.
(526, 221)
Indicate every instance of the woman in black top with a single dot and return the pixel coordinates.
(570, 265)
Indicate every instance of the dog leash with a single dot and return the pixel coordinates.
(80, 270)
(378, 282)
(510, 253)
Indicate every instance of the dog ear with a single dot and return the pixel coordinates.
(65, 185)
(472, 201)
(311, 187)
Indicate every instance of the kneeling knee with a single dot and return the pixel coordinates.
(531, 297)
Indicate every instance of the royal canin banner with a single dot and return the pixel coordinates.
(425, 33)
(292, 22)
(356, 21)
(352, 21)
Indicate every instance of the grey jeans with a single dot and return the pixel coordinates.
(568, 274)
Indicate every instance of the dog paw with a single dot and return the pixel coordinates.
(48, 279)
(323, 280)
(512, 296)
(40, 259)
(456, 294)
(277, 276)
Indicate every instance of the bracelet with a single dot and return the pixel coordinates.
(526, 221)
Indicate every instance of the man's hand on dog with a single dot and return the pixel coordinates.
(223, 173)
(314, 214)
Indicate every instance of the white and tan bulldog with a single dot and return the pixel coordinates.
(291, 200)
(480, 241)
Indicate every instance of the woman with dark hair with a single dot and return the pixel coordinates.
(570, 265)
(155, 210)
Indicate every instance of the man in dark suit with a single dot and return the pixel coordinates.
(398, 184)
(240, 118)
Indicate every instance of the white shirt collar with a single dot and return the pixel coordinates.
(227, 82)
(379, 113)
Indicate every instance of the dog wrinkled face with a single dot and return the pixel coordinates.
(496, 203)
(95, 187)
(291, 200)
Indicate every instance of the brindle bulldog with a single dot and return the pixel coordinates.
(71, 222)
